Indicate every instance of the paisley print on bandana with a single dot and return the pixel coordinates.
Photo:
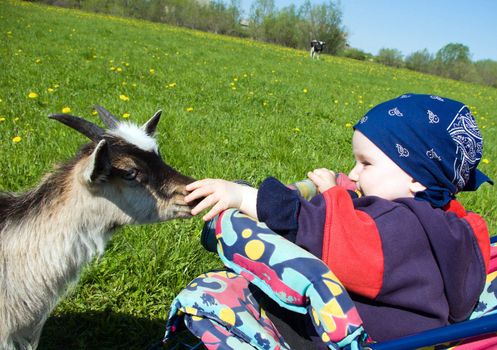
(465, 133)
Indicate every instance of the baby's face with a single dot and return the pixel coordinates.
(376, 174)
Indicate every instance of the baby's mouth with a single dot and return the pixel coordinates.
(344, 181)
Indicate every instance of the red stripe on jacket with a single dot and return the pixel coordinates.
(352, 245)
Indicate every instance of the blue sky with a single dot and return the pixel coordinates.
(412, 25)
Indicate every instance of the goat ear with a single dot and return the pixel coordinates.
(99, 164)
(151, 125)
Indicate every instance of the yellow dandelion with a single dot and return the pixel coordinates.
(126, 115)
(336, 102)
(33, 95)
(485, 161)
(119, 69)
(189, 109)
(56, 86)
(2, 119)
(297, 130)
(348, 125)
(112, 68)
(305, 91)
(16, 119)
(16, 139)
(66, 110)
(38, 60)
(94, 112)
(233, 88)
(50, 90)
(151, 71)
(123, 97)
(171, 85)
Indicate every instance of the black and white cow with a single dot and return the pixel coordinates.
(317, 47)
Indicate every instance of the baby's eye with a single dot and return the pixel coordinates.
(365, 163)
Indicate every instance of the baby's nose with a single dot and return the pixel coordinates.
(354, 174)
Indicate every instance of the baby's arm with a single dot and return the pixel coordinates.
(220, 195)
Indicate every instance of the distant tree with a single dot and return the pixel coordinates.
(155, 11)
(217, 17)
(390, 57)
(452, 53)
(284, 28)
(234, 13)
(454, 61)
(261, 9)
(261, 18)
(421, 61)
(487, 70)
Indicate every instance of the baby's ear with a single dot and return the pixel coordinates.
(416, 187)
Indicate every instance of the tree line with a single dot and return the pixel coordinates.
(451, 61)
(290, 26)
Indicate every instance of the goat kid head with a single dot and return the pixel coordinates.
(123, 167)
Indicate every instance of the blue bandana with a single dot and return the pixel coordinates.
(433, 139)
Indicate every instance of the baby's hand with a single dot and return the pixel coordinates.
(324, 179)
(220, 195)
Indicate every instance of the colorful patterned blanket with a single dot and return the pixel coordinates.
(288, 274)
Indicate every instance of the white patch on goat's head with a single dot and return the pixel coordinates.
(136, 136)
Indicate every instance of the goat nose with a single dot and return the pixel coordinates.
(194, 203)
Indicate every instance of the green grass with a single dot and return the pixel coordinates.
(251, 119)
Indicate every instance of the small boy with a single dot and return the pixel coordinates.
(411, 257)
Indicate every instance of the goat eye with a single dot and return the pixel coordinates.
(130, 174)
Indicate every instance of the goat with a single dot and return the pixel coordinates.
(50, 232)
(316, 48)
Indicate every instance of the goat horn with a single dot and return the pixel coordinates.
(107, 117)
(90, 130)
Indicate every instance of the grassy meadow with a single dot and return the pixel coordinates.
(232, 108)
